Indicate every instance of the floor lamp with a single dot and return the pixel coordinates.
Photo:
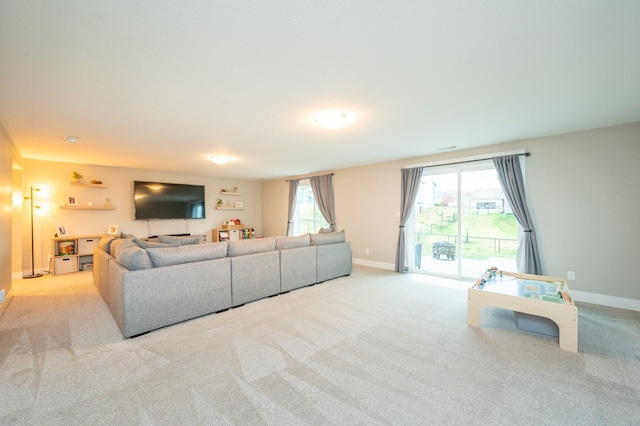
(33, 271)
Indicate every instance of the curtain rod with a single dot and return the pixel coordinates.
(307, 177)
(526, 154)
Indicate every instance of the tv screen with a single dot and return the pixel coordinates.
(158, 200)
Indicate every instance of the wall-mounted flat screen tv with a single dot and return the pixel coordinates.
(159, 200)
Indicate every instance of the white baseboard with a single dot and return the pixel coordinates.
(603, 299)
(379, 265)
(579, 296)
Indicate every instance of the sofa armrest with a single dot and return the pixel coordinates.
(333, 261)
(101, 260)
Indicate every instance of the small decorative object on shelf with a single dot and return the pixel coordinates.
(72, 200)
(96, 182)
(76, 176)
(108, 202)
(234, 191)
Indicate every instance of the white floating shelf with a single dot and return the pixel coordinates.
(90, 185)
(229, 193)
(229, 208)
(87, 208)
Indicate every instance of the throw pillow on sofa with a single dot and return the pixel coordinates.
(105, 243)
(146, 244)
(170, 239)
(328, 238)
(132, 257)
(187, 253)
(117, 242)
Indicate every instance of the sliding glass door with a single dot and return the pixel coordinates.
(462, 223)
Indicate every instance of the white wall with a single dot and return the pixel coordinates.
(57, 176)
(8, 157)
(582, 190)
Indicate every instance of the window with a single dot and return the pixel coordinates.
(462, 222)
(307, 217)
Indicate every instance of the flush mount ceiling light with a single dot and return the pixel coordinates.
(220, 159)
(333, 119)
(71, 139)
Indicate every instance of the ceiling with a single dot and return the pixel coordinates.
(165, 84)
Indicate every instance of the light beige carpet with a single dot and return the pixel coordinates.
(374, 348)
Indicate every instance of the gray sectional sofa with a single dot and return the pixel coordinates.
(151, 285)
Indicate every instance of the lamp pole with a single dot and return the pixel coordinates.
(33, 269)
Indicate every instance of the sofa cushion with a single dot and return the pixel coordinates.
(324, 231)
(147, 244)
(283, 243)
(187, 253)
(183, 241)
(328, 238)
(116, 243)
(133, 257)
(258, 245)
(105, 243)
(127, 236)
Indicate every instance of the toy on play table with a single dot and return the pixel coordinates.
(489, 274)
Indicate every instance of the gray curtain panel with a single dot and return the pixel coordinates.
(322, 187)
(510, 175)
(410, 186)
(293, 199)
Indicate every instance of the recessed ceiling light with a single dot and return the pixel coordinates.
(220, 159)
(333, 119)
(71, 139)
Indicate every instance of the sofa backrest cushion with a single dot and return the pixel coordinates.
(146, 244)
(117, 242)
(132, 257)
(257, 245)
(283, 243)
(187, 253)
(328, 238)
(183, 241)
(105, 243)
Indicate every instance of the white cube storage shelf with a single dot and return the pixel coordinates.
(73, 253)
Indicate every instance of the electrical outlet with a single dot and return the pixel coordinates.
(571, 275)
(366, 251)
(2, 296)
